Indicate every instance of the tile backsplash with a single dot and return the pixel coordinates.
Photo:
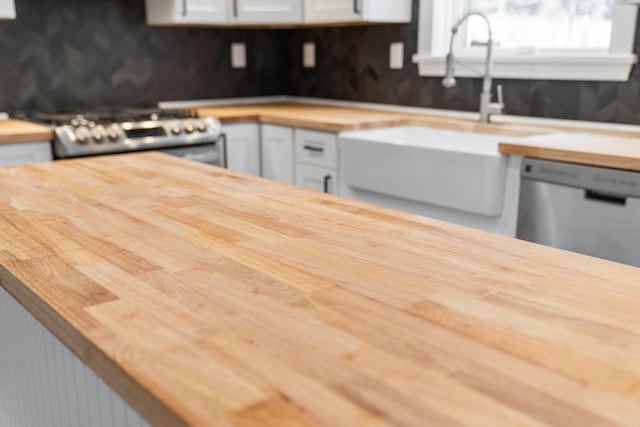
(67, 54)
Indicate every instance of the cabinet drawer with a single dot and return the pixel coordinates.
(317, 148)
(317, 178)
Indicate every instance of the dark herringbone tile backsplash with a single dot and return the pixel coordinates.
(66, 54)
(93, 53)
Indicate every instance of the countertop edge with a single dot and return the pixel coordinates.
(134, 393)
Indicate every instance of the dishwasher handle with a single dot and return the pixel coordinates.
(605, 198)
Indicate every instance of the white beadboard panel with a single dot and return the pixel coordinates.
(43, 384)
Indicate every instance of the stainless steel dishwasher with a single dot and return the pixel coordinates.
(585, 209)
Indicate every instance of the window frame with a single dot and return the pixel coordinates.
(614, 64)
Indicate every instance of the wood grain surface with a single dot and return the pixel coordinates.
(617, 149)
(338, 119)
(209, 298)
(13, 131)
(583, 148)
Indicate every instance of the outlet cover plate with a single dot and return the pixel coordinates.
(238, 55)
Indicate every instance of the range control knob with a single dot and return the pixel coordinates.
(176, 129)
(189, 128)
(98, 134)
(112, 133)
(202, 126)
(82, 135)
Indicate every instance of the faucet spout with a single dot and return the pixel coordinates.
(486, 106)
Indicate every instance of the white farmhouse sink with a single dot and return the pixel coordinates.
(450, 169)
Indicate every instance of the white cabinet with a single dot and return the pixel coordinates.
(186, 12)
(243, 147)
(330, 11)
(278, 153)
(7, 9)
(317, 178)
(267, 11)
(317, 160)
(25, 152)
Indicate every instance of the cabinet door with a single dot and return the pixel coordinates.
(333, 10)
(243, 148)
(204, 10)
(21, 153)
(278, 153)
(7, 9)
(181, 12)
(317, 178)
(268, 11)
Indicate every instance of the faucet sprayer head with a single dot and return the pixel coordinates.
(449, 80)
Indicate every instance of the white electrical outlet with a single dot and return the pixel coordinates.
(309, 55)
(238, 55)
(396, 56)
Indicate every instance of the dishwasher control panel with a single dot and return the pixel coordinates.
(606, 180)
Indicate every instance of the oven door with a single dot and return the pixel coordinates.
(211, 154)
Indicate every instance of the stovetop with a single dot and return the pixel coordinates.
(105, 116)
(108, 131)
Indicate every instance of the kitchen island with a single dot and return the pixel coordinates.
(208, 298)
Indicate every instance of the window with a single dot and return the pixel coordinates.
(544, 39)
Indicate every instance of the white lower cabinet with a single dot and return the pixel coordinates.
(25, 152)
(303, 157)
(243, 147)
(317, 178)
(278, 153)
(317, 160)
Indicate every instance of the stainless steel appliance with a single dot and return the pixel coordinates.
(177, 132)
(591, 210)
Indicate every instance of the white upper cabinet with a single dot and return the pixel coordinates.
(7, 9)
(275, 12)
(333, 11)
(267, 11)
(186, 12)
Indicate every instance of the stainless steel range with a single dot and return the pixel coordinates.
(177, 132)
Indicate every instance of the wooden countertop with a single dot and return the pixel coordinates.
(617, 149)
(12, 131)
(339, 119)
(209, 298)
(584, 148)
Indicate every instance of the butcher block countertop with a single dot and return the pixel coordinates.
(12, 131)
(209, 298)
(588, 149)
(569, 142)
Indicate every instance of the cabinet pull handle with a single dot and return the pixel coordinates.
(327, 180)
(606, 198)
(235, 8)
(225, 159)
(184, 8)
(314, 149)
(356, 7)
